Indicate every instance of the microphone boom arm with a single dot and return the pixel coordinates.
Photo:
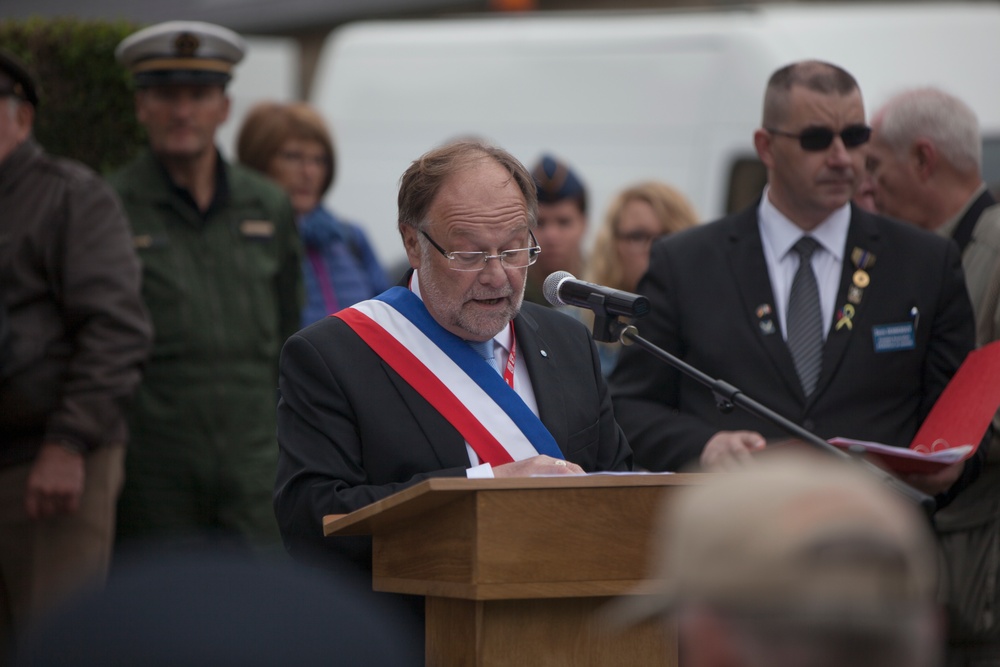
(606, 325)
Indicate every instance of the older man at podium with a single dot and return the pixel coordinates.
(447, 374)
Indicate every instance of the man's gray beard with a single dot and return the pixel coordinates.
(484, 326)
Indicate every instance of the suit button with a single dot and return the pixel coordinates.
(809, 425)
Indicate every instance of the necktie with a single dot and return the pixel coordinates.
(805, 320)
(485, 350)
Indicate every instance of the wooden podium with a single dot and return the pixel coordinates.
(514, 569)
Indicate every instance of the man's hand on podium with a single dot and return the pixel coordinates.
(730, 450)
(537, 465)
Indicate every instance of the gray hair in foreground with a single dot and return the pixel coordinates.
(802, 560)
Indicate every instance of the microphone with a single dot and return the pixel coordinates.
(562, 289)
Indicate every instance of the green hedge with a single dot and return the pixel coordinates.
(85, 109)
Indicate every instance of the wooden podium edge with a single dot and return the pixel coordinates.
(438, 491)
(523, 591)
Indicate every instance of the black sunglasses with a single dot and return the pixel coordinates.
(820, 138)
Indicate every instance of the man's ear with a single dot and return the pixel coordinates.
(762, 142)
(411, 242)
(924, 156)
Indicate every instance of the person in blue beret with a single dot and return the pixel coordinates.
(562, 224)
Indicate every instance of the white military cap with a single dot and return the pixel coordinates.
(176, 52)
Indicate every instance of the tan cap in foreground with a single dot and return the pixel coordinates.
(795, 536)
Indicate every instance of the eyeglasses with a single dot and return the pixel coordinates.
(302, 159)
(516, 258)
(637, 239)
(819, 138)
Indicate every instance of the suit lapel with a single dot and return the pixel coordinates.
(536, 354)
(861, 234)
(752, 281)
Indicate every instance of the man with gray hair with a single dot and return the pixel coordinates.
(924, 159)
(449, 373)
(800, 561)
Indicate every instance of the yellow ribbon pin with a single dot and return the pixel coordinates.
(846, 313)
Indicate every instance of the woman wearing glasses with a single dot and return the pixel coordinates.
(291, 144)
(637, 216)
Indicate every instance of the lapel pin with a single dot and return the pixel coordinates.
(844, 316)
(766, 324)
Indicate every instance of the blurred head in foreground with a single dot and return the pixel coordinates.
(799, 561)
(217, 606)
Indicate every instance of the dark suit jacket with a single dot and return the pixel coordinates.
(708, 286)
(352, 431)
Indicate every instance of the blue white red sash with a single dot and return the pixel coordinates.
(442, 367)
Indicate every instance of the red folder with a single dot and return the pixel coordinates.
(955, 425)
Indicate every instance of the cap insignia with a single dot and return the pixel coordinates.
(185, 44)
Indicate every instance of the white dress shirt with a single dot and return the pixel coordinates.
(778, 234)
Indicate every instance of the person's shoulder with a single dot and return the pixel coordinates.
(243, 179)
(79, 175)
(987, 229)
(713, 231)
(897, 232)
(134, 175)
(249, 186)
(331, 338)
(74, 177)
(545, 317)
(322, 329)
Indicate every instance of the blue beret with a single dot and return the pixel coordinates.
(555, 181)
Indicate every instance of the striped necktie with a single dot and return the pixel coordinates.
(805, 319)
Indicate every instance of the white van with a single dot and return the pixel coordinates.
(623, 97)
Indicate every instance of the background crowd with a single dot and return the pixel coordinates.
(147, 318)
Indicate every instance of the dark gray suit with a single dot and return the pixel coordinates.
(713, 306)
(352, 431)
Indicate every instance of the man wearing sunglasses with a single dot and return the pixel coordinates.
(393, 390)
(858, 343)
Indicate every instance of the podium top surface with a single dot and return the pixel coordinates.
(438, 491)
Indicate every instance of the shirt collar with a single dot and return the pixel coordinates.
(781, 234)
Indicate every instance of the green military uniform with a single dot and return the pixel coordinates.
(223, 287)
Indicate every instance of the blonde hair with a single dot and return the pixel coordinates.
(672, 209)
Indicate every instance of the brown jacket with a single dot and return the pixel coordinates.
(69, 281)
